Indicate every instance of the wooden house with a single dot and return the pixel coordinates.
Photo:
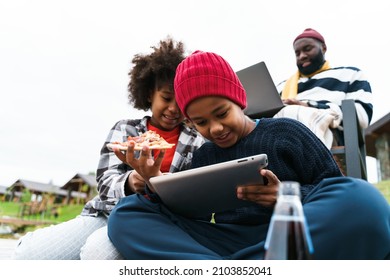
(34, 189)
(3, 193)
(377, 137)
(83, 185)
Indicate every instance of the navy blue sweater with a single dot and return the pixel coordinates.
(294, 154)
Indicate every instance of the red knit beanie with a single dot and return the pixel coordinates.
(206, 74)
(310, 33)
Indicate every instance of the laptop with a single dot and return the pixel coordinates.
(201, 191)
(263, 99)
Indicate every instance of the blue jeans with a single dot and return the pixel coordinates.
(348, 219)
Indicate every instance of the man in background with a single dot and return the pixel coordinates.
(316, 90)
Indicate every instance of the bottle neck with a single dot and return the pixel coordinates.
(288, 205)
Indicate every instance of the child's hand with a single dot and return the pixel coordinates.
(145, 165)
(265, 195)
(136, 183)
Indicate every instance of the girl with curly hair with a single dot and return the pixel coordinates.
(150, 88)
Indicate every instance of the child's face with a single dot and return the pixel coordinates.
(218, 119)
(166, 115)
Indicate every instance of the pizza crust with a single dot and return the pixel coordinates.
(123, 146)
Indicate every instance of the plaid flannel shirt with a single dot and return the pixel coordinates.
(112, 173)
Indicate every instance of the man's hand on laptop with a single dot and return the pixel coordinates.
(293, 101)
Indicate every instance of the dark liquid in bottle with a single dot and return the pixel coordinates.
(297, 248)
(289, 240)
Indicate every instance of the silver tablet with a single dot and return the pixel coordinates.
(201, 191)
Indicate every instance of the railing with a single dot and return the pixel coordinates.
(353, 152)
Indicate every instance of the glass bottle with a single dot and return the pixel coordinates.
(288, 236)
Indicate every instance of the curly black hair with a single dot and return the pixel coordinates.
(153, 71)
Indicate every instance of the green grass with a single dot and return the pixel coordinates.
(9, 209)
(384, 188)
(12, 209)
(68, 212)
(65, 212)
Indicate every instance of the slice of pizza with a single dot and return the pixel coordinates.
(149, 138)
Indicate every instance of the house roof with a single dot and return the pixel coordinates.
(20, 184)
(79, 180)
(72, 187)
(374, 131)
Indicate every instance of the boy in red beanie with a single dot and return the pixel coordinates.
(210, 94)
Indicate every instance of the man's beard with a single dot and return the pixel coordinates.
(316, 63)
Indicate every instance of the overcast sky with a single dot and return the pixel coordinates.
(64, 64)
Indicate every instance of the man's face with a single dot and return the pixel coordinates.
(310, 55)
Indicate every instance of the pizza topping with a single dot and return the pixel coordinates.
(149, 138)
